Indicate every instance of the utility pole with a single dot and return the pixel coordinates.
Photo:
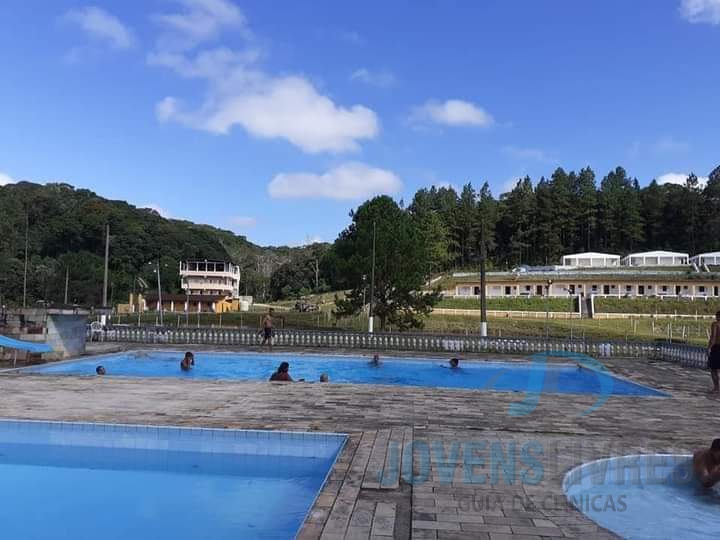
(483, 298)
(160, 305)
(67, 281)
(317, 275)
(372, 284)
(107, 257)
(27, 231)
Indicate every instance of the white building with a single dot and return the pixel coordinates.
(590, 260)
(656, 258)
(712, 258)
(210, 278)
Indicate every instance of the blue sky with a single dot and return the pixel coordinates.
(274, 119)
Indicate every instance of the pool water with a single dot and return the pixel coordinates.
(504, 376)
(89, 481)
(645, 497)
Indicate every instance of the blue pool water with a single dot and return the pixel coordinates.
(89, 481)
(645, 497)
(507, 376)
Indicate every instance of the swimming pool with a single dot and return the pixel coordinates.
(503, 376)
(89, 481)
(645, 497)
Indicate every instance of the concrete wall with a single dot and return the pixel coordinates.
(65, 334)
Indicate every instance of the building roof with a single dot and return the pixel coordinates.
(708, 254)
(593, 254)
(658, 253)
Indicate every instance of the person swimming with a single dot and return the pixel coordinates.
(187, 362)
(454, 363)
(282, 373)
(375, 360)
(324, 377)
(706, 465)
(100, 370)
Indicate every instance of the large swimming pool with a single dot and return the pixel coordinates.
(645, 497)
(503, 376)
(119, 482)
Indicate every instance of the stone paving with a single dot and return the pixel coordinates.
(417, 461)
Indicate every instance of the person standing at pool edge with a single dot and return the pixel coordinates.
(714, 353)
(267, 329)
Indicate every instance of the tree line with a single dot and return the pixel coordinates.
(537, 222)
(65, 230)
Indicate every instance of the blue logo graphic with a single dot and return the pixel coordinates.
(536, 380)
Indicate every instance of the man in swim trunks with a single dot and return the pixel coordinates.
(706, 464)
(714, 353)
(267, 329)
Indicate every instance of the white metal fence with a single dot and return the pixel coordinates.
(685, 355)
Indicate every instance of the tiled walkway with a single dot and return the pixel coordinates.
(418, 461)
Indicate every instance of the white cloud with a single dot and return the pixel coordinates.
(268, 107)
(453, 112)
(157, 208)
(679, 178)
(199, 21)
(381, 79)
(6, 179)
(243, 222)
(348, 181)
(100, 25)
(701, 11)
(525, 153)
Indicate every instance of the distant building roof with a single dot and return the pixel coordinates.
(592, 254)
(658, 253)
(708, 254)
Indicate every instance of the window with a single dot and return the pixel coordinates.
(701, 288)
(628, 288)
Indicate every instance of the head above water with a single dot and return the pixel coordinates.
(189, 356)
(284, 367)
(100, 370)
(454, 362)
(324, 377)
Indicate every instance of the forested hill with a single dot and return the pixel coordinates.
(66, 231)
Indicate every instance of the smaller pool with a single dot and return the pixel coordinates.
(502, 376)
(120, 482)
(645, 497)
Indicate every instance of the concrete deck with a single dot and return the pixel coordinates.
(365, 496)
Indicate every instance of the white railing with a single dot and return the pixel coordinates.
(685, 355)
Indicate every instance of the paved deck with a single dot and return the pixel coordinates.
(441, 432)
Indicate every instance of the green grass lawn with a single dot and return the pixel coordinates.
(511, 304)
(618, 329)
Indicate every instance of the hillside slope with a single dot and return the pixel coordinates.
(66, 233)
